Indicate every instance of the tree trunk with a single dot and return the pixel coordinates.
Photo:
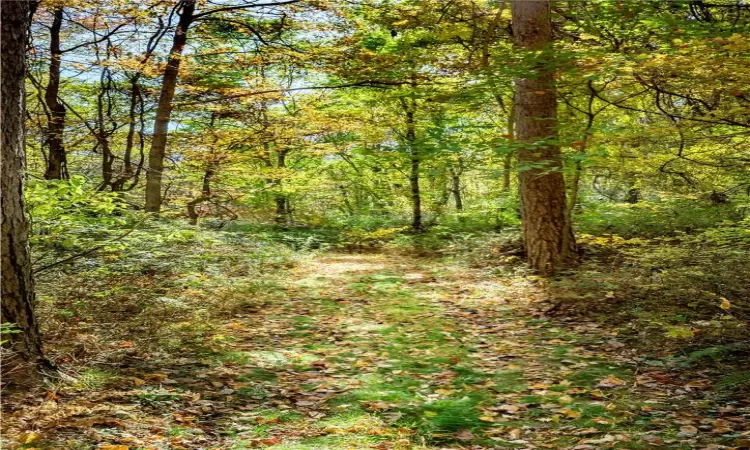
(128, 168)
(56, 158)
(415, 160)
(18, 299)
(543, 185)
(508, 160)
(103, 133)
(283, 208)
(575, 182)
(456, 189)
(164, 109)
(192, 206)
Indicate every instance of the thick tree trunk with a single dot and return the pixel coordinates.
(56, 158)
(164, 109)
(543, 186)
(17, 280)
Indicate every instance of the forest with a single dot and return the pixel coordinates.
(375, 224)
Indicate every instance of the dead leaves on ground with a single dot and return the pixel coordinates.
(345, 326)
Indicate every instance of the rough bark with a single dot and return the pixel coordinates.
(542, 182)
(158, 149)
(56, 158)
(15, 271)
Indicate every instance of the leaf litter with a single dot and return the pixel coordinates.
(372, 351)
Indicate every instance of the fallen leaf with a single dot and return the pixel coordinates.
(30, 438)
(653, 440)
(464, 435)
(569, 413)
(698, 384)
(687, 431)
(611, 381)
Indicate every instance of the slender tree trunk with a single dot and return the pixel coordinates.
(205, 196)
(18, 299)
(575, 182)
(456, 189)
(508, 160)
(410, 107)
(128, 168)
(56, 158)
(283, 208)
(164, 109)
(211, 167)
(542, 187)
(104, 115)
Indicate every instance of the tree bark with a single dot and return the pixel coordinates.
(542, 182)
(128, 168)
(18, 298)
(164, 109)
(575, 182)
(283, 208)
(192, 206)
(456, 188)
(104, 117)
(414, 163)
(508, 159)
(56, 158)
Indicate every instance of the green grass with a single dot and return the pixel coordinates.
(93, 379)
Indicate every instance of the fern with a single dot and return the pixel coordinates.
(737, 380)
(718, 351)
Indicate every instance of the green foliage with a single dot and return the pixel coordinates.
(450, 416)
(652, 218)
(6, 329)
(736, 381)
(67, 217)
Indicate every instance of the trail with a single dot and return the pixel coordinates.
(390, 352)
(375, 351)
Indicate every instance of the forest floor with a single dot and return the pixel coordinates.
(388, 352)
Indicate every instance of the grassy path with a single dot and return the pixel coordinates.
(369, 351)
(384, 352)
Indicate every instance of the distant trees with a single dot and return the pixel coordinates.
(187, 16)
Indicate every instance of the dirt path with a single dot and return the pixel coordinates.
(384, 352)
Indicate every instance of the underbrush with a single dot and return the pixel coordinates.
(116, 286)
(683, 297)
(163, 288)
